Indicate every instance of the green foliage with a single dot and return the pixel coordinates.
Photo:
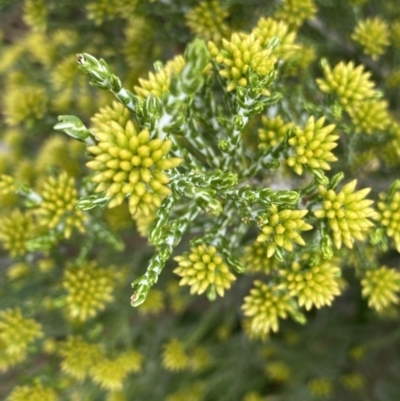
(218, 133)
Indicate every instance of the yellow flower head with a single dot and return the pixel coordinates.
(203, 268)
(239, 54)
(128, 163)
(265, 305)
(35, 14)
(312, 146)
(273, 131)
(200, 359)
(295, 12)
(32, 393)
(153, 304)
(389, 216)
(380, 287)
(89, 290)
(373, 35)
(282, 228)
(255, 259)
(278, 371)
(347, 212)
(321, 387)
(174, 357)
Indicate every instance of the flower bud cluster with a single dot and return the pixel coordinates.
(57, 207)
(239, 54)
(36, 392)
(312, 146)
(347, 213)
(265, 305)
(313, 284)
(204, 269)
(381, 287)
(295, 12)
(174, 356)
(89, 290)
(389, 216)
(282, 228)
(207, 21)
(255, 259)
(373, 35)
(130, 164)
(17, 333)
(273, 131)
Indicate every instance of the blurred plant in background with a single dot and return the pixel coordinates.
(239, 161)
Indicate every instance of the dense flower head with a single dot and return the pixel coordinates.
(282, 228)
(193, 392)
(128, 163)
(314, 284)
(255, 258)
(237, 55)
(144, 221)
(347, 212)
(371, 115)
(265, 305)
(17, 333)
(36, 392)
(273, 131)
(204, 268)
(174, 357)
(15, 230)
(57, 207)
(295, 12)
(207, 20)
(78, 357)
(312, 146)
(373, 35)
(349, 83)
(89, 290)
(389, 216)
(158, 83)
(111, 373)
(381, 287)
(153, 304)
(200, 359)
(278, 371)
(35, 14)
(353, 381)
(102, 10)
(267, 28)
(320, 387)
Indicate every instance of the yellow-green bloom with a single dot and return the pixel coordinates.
(255, 259)
(158, 83)
(200, 359)
(381, 287)
(278, 371)
(89, 290)
(35, 14)
(312, 146)
(295, 12)
(207, 20)
(203, 268)
(313, 285)
(321, 387)
(353, 381)
(273, 131)
(111, 373)
(15, 230)
(282, 228)
(373, 35)
(78, 357)
(349, 83)
(16, 334)
(32, 393)
(128, 163)
(347, 212)
(265, 305)
(194, 392)
(174, 357)
(253, 396)
(153, 304)
(389, 216)
(57, 208)
(371, 115)
(239, 54)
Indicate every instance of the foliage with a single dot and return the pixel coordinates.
(254, 147)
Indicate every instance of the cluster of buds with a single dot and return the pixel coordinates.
(174, 356)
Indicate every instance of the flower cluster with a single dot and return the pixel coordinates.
(281, 228)
(272, 132)
(204, 270)
(380, 286)
(389, 216)
(321, 387)
(295, 12)
(35, 14)
(312, 146)
(174, 357)
(89, 290)
(238, 55)
(17, 333)
(128, 163)
(265, 305)
(347, 213)
(207, 20)
(373, 35)
(36, 392)
(313, 284)
(57, 207)
(255, 258)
